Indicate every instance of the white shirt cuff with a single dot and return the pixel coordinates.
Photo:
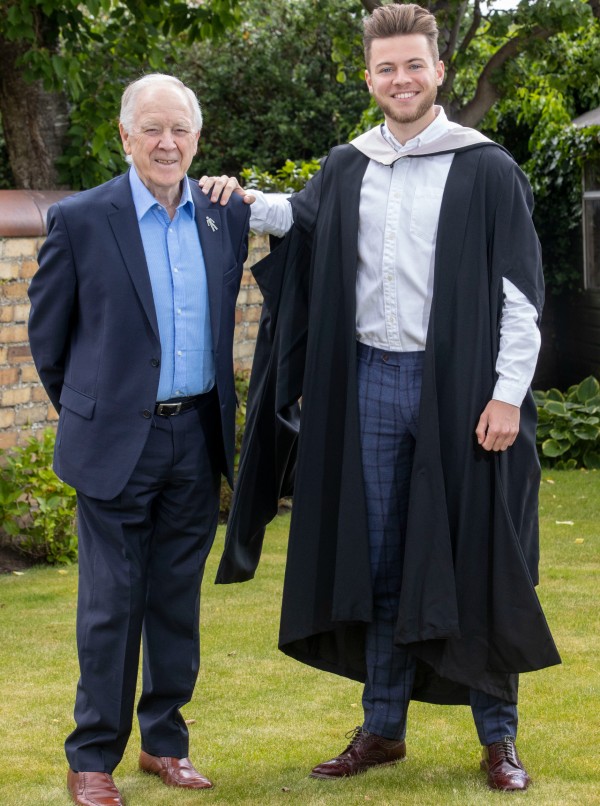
(271, 212)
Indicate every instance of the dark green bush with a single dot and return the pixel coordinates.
(37, 509)
(568, 434)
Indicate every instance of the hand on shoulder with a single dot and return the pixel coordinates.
(220, 189)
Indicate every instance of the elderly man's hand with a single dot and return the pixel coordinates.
(223, 187)
(498, 426)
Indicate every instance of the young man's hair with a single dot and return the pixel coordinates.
(395, 19)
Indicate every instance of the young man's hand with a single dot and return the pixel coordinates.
(223, 187)
(498, 426)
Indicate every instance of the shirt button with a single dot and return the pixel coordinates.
(175, 269)
(178, 310)
(146, 414)
(179, 352)
(154, 362)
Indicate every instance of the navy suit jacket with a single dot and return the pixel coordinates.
(94, 334)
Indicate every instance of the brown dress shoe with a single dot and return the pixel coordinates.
(503, 766)
(93, 789)
(174, 771)
(365, 750)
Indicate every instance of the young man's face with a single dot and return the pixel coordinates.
(403, 78)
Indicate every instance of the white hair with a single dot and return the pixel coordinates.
(132, 91)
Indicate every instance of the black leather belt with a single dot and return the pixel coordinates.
(172, 409)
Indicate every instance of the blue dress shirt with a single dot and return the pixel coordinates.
(179, 287)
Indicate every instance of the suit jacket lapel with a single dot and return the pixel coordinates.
(208, 221)
(124, 224)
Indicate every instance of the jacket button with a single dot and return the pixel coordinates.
(146, 413)
(155, 362)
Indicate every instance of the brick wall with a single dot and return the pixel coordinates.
(23, 402)
(24, 406)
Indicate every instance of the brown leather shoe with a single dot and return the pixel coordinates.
(174, 771)
(365, 750)
(503, 766)
(93, 789)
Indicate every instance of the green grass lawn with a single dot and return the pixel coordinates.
(259, 721)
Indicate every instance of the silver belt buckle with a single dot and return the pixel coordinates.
(168, 409)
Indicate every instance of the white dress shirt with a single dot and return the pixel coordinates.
(398, 218)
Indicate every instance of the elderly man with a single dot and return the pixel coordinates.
(402, 307)
(131, 330)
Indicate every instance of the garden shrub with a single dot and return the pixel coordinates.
(289, 178)
(568, 433)
(37, 509)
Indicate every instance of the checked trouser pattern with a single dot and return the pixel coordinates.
(389, 390)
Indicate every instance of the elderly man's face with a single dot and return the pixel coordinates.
(162, 142)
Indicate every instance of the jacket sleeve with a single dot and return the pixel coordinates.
(53, 305)
(239, 224)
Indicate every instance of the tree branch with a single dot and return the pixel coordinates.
(487, 93)
(370, 5)
(452, 38)
(450, 48)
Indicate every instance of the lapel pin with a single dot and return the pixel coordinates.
(211, 224)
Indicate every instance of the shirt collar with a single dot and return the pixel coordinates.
(436, 129)
(143, 200)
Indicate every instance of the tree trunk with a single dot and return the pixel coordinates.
(34, 122)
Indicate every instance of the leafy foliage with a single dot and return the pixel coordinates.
(269, 90)
(83, 25)
(37, 510)
(90, 50)
(291, 177)
(543, 90)
(568, 434)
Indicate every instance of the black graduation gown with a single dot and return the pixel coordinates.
(468, 609)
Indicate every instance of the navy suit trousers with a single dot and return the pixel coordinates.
(389, 389)
(141, 560)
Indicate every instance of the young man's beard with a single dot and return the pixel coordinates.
(408, 116)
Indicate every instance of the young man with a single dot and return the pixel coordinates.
(131, 330)
(403, 309)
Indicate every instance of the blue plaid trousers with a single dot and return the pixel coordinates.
(389, 389)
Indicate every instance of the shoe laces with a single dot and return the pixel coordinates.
(355, 734)
(506, 749)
